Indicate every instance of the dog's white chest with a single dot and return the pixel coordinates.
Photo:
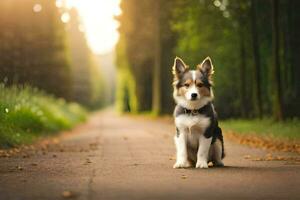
(198, 122)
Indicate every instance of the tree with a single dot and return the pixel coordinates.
(257, 77)
(277, 92)
(33, 46)
(156, 88)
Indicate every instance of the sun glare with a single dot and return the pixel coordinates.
(97, 17)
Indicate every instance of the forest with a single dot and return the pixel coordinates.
(253, 45)
(49, 77)
(40, 49)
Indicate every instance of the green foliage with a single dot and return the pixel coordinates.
(229, 32)
(204, 31)
(266, 127)
(99, 97)
(126, 100)
(27, 113)
(145, 29)
(237, 35)
(137, 50)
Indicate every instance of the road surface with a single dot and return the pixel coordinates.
(114, 157)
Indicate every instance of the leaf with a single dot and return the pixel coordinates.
(183, 176)
(67, 194)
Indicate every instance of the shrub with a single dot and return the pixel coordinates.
(27, 113)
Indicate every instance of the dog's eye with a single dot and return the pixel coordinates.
(186, 85)
(200, 85)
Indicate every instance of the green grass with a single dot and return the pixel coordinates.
(282, 130)
(27, 114)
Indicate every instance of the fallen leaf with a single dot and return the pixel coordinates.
(25, 156)
(281, 158)
(264, 142)
(258, 159)
(67, 194)
(172, 158)
(183, 176)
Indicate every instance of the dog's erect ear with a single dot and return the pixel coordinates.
(179, 66)
(206, 67)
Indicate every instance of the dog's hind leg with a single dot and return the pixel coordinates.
(216, 153)
(192, 155)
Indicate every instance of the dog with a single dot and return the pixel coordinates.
(198, 137)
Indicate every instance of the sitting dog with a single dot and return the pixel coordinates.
(198, 138)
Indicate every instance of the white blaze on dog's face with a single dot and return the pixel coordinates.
(192, 88)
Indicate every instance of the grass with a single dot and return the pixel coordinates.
(27, 114)
(266, 127)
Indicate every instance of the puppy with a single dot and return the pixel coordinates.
(198, 138)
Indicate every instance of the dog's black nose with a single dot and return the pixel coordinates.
(194, 95)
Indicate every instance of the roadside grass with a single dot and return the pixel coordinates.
(289, 130)
(27, 114)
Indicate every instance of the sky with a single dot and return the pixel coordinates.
(97, 17)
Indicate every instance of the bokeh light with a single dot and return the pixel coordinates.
(65, 17)
(37, 8)
(99, 24)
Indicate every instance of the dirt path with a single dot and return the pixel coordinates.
(114, 157)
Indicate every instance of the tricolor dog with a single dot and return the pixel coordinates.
(198, 138)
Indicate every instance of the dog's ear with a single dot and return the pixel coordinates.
(179, 67)
(206, 67)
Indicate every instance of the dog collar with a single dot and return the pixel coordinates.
(196, 111)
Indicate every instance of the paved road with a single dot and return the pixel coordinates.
(113, 157)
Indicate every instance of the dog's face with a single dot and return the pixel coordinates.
(192, 88)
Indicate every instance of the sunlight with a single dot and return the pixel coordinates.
(37, 8)
(99, 24)
(65, 18)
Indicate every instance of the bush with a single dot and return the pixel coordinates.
(27, 113)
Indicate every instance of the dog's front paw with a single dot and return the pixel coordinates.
(182, 164)
(201, 164)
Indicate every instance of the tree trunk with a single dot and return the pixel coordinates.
(156, 87)
(243, 73)
(295, 61)
(256, 69)
(276, 77)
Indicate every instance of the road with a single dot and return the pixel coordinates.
(114, 157)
